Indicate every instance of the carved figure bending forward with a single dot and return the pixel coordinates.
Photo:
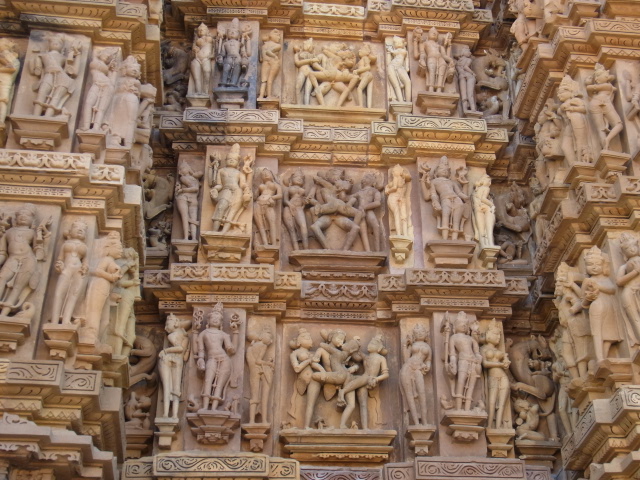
(72, 267)
(215, 349)
(417, 363)
(171, 362)
(21, 248)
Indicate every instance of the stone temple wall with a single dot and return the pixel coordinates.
(285, 239)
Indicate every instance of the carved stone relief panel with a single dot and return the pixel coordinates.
(187, 194)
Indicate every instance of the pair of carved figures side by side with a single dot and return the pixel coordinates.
(203, 53)
(214, 351)
(268, 195)
(171, 364)
(434, 57)
(72, 267)
(230, 189)
(56, 66)
(333, 367)
(260, 371)
(463, 362)
(187, 190)
(417, 364)
(9, 67)
(398, 191)
(398, 70)
(484, 216)
(601, 90)
(23, 246)
(271, 59)
(496, 364)
(574, 140)
(233, 51)
(451, 203)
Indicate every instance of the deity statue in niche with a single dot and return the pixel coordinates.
(103, 76)
(22, 247)
(293, 215)
(203, 53)
(434, 57)
(398, 191)
(484, 217)
(123, 116)
(370, 200)
(628, 279)
(233, 53)
(496, 363)
(417, 363)
(332, 203)
(73, 268)
(268, 194)
(230, 189)
(448, 200)
(599, 297)
(57, 68)
(364, 90)
(186, 194)
(301, 359)
(101, 282)
(270, 56)
(463, 362)
(127, 289)
(260, 374)
(398, 70)
(466, 79)
(171, 363)
(601, 90)
(215, 348)
(575, 132)
(9, 67)
(306, 61)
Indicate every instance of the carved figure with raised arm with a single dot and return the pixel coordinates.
(9, 67)
(203, 52)
(269, 193)
(186, 197)
(466, 79)
(57, 68)
(270, 56)
(447, 198)
(73, 268)
(484, 212)
(398, 70)
(363, 68)
(215, 348)
(496, 363)
(417, 363)
(601, 90)
(22, 247)
(334, 73)
(233, 53)
(260, 375)
(171, 363)
(433, 56)
(398, 191)
(104, 70)
(628, 279)
(230, 189)
(599, 297)
(575, 134)
(102, 280)
(126, 291)
(293, 216)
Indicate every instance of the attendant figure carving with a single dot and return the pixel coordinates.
(268, 195)
(363, 69)
(127, 289)
(171, 363)
(306, 61)
(496, 363)
(186, 195)
(293, 215)
(575, 134)
(73, 268)
(230, 189)
(398, 191)
(370, 200)
(103, 76)
(260, 375)
(628, 279)
(270, 54)
(466, 79)
(601, 90)
(9, 67)
(123, 116)
(22, 247)
(484, 217)
(417, 363)
(215, 349)
(203, 52)
(398, 70)
(301, 359)
(57, 68)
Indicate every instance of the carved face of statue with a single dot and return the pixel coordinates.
(78, 231)
(214, 320)
(365, 51)
(461, 323)
(368, 179)
(274, 36)
(24, 217)
(433, 35)
(442, 170)
(333, 175)
(493, 336)
(594, 265)
(202, 30)
(233, 33)
(114, 249)
(630, 247)
(337, 339)
(304, 340)
(232, 161)
(307, 45)
(352, 345)
(297, 178)
(564, 93)
(398, 42)
(419, 333)
(171, 324)
(266, 175)
(375, 345)
(56, 43)
(266, 337)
